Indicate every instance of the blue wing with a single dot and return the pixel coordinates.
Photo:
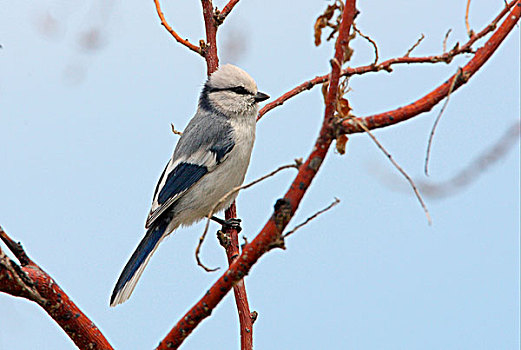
(199, 151)
(169, 189)
(180, 179)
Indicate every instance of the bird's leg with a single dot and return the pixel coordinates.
(234, 223)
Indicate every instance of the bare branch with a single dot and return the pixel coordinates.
(415, 45)
(407, 177)
(318, 213)
(220, 16)
(224, 199)
(436, 121)
(371, 41)
(176, 36)
(29, 281)
(477, 167)
(445, 40)
(470, 32)
(387, 65)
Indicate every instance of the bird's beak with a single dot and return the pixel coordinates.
(261, 97)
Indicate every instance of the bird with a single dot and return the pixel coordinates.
(209, 160)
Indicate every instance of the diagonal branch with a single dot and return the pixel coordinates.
(221, 16)
(176, 36)
(427, 102)
(30, 282)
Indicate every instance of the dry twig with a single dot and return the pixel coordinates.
(436, 121)
(371, 41)
(318, 213)
(477, 167)
(407, 177)
(415, 45)
(176, 36)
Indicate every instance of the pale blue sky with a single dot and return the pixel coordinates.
(86, 133)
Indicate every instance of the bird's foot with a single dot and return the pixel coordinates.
(233, 223)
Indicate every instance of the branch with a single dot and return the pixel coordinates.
(210, 48)
(270, 236)
(427, 102)
(477, 167)
(30, 282)
(221, 16)
(312, 217)
(231, 245)
(180, 40)
(387, 65)
(232, 208)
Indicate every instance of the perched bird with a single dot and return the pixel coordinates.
(210, 159)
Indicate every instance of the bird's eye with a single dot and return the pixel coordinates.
(240, 90)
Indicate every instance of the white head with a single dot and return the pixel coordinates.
(231, 91)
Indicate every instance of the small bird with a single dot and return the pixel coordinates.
(210, 159)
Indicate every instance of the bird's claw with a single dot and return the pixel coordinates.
(233, 223)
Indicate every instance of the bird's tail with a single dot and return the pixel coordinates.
(138, 261)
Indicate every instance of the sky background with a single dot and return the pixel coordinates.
(88, 90)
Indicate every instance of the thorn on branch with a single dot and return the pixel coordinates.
(253, 316)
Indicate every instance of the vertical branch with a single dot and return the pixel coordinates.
(239, 290)
(210, 49)
(232, 251)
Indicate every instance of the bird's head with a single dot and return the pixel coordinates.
(232, 92)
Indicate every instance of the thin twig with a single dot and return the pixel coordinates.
(411, 182)
(15, 248)
(176, 132)
(371, 41)
(224, 198)
(470, 32)
(416, 44)
(477, 167)
(445, 40)
(436, 121)
(176, 36)
(335, 202)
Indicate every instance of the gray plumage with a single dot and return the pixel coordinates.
(210, 159)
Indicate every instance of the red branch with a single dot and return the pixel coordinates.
(446, 57)
(270, 236)
(239, 290)
(180, 40)
(427, 102)
(221, 16)
(29, 281)
(210, 49)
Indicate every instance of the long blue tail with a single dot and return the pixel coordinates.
(136, 264)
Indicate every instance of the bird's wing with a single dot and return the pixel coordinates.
(181, 175)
